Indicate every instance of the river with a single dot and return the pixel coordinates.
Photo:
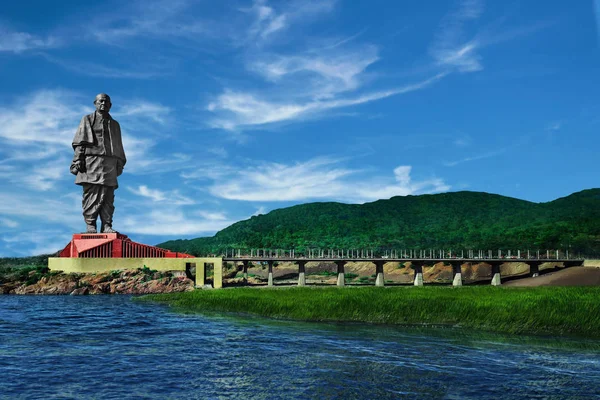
(110, 347)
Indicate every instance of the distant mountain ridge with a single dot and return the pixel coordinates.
(455, 220)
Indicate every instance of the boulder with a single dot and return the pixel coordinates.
(80, 291)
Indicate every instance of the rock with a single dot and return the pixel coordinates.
(125, 282)
(80, 291)
(514, 268)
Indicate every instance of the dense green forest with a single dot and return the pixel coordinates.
(458, 220)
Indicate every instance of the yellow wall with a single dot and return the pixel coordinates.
(218, 271)
(96, 265)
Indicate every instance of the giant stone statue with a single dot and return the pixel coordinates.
(99, 159)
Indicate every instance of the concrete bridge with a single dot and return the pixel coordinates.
(416, 263)
(94, 253)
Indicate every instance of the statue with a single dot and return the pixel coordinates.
(99, 159)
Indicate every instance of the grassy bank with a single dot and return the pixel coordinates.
(541, 310)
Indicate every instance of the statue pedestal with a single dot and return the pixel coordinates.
(113, 245)
(92, 253)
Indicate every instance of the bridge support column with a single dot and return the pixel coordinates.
(418, 267)
(245, 271)
(456, 270)
(496, 278)
(341, 279)
(534, 269)
(301, 272)
(379, 279)
(270, 280)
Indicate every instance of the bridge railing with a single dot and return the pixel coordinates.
(399, 254)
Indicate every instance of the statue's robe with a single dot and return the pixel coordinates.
(99, 149)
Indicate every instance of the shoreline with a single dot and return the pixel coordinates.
(41, 281)
(559, 311)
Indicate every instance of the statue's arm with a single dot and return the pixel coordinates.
(122, 159)
(78, 163)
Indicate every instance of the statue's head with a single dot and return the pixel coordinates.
(102, 103)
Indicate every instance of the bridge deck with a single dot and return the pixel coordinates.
(373, 259)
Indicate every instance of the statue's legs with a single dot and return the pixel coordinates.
(107, 209)
(98, 200)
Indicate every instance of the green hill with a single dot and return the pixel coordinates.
(458, 220)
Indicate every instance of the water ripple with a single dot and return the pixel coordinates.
(107, 347)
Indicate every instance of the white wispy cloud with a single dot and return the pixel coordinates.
(165, 19)
(38, 128)
(141, 108)
(36, 136)
(46, 116)
(404, 185)
(458, 43)
(36, 241)
(239, 109)
(261, 210)
(462, 141)
(33, 209)
(318, 77)
(19, 42)
(554, 126)
(218, 151)
(475, 157)
(267, 20)
(212, 215)
(319, 178)
(44, 176)
(274, 17)
(157, 195)
(171, 222)
(451, 48)
(143, 70)
(208, 171)
(326, 72)
(9, 223)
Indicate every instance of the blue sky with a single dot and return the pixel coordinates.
(235, 108)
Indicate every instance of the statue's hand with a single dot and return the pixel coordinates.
(77, 166)
(119, 169)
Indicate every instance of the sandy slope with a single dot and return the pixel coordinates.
(575, 276)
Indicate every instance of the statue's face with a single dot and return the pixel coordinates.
(102, 103)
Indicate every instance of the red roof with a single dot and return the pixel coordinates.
(113, 245)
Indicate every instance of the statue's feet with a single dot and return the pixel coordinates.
(91, 229)
(108, 229)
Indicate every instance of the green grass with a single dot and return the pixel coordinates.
(325, 273)
(28, 274)
(542, 310)
(349, 276)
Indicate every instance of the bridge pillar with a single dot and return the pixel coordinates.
(270, 281)
(534, 268)
(496, 278)
(379, 278)
(301, 273)
(418, 267)
(341, 279)
(245, 270)
(456, 270)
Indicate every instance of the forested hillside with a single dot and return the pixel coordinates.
(458, 220)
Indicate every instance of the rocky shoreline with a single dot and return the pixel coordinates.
(140, 281)
(40, 281)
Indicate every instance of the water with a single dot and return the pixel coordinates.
(108, 347)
